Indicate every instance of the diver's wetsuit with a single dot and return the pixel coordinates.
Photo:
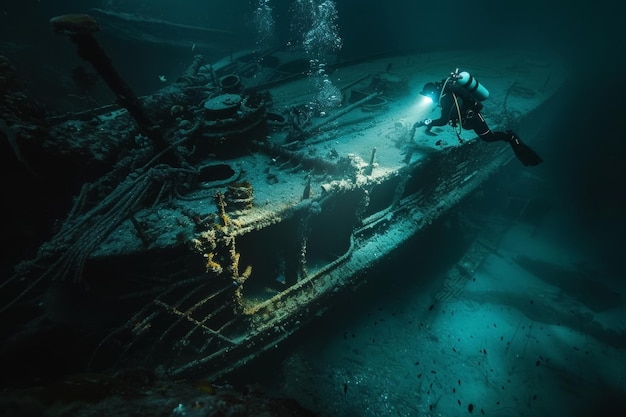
(469, 110)
(471, 118)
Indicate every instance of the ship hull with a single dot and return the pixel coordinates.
(275, 213)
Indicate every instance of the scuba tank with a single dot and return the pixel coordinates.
(471, 84)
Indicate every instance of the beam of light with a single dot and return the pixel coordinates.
(420, 107)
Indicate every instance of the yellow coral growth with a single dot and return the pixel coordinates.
(221, 204)
(247, 272)
(211, 265)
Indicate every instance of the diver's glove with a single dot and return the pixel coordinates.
(425, 122)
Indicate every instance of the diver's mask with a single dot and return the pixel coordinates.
(432, 91)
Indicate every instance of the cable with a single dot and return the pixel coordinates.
(458, 108)
(458, 111)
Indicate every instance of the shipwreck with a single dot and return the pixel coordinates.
(235, 204)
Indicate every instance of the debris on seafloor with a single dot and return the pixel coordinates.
(138, 391)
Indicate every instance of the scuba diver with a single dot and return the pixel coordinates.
(459, 96)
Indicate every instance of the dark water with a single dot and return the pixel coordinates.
(585, 152)
(584, 156)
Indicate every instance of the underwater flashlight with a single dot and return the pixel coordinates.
(431, 92)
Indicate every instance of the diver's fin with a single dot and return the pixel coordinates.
(524, 153)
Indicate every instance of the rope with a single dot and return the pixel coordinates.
(84, 233)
